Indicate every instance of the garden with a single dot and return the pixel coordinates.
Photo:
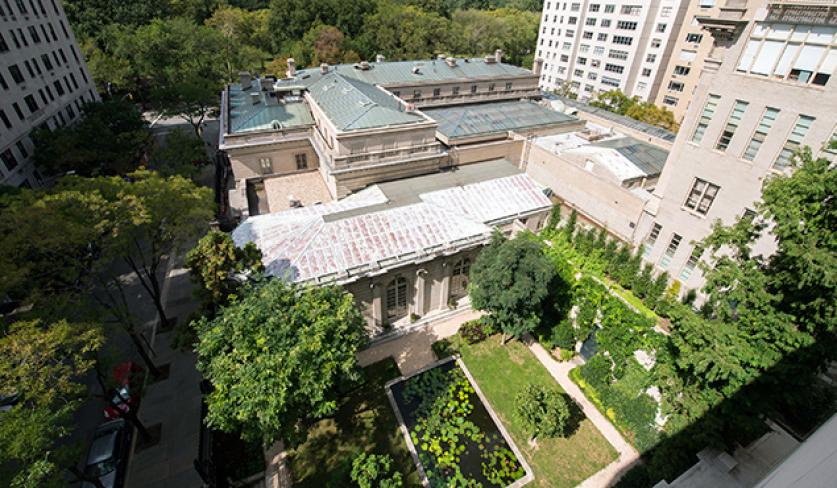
(457, 441)
(562, 448)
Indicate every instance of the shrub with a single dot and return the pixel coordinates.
(597, 371)
(544, 412)
(690, 297)
(563, 335)
(477, 330)
(375, 471)
(566, 354)
(554, 217)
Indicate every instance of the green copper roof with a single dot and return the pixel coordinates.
(494, 117)
(265, 114)
(649, 159)
(351, 104)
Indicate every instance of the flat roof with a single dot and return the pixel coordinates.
(496, 117)
(255, 110)
(351, 104)
(649, 129)
(371, 230)
(648, 158)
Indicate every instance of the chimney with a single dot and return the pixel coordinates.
(490, 59)
(245, 80)
(266, 83)
(324, 68)
(379, 58)
(291, 68)
(256, 98)
(498, 55)
(537, 67)
(451, 62)
(364, 65)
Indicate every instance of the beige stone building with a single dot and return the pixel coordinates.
(768, 88)
(43, 80)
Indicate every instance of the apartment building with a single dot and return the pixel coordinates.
(767, 88)
(43, 78)
(692, 45)
(597, 45)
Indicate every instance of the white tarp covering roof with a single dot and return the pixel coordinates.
(302, 245)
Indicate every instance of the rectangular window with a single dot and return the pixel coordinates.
(17, 76)
(701, 196)
(675, 86)
(9, 160)
(760, 134)
(508, 86)
(705, 117)
(3, 82)
(3, 46)
(5, 119)
(609, 9)
(617, 54)
(266, 166)
(661, 28)
(625, 25)
(624, 40)
(732, 124)
(473, 88)
(33, 33)
(47, 63)
(615, 68)
(455, 91)
(648, 245)
(695, 38)
(668, 100)
(793, 142)
(18, 111)
(682, 70)
(691, 264)
(437, 92)
(601, 37)
(670, 250)
(301, 161)
(650, 58)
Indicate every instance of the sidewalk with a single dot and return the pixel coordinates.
(171, 407)
(627, 454)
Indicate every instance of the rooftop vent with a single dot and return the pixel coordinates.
(380, 58)
(451, 62)
(498, 55)
(416, 70)
(256, 98)
(364, 65)
(291, 68)
(276, 125)
(490, 60)
(324, 68)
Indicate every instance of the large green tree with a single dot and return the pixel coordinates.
(214, 263)
(404, 32)
(276, 357)
(42, 366)
(181, 153)
(510, 279)
(110, 139)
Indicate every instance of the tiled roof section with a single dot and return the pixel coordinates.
(402, 72)
(497, 117)
(300, 245)
(247, 116)
(649, 159)
(353, 105)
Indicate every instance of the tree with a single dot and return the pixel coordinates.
(109, 140)
(325, 43)
(276, 356)
(375, 471)
(480, 32)
(509, 279)
(152, 217)
(41, 366)
(543, 412)
(618, 102)
(215, 261)
(182, 153)
(404, 32)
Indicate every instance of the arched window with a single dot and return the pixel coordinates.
(396, 299)
(459, 278)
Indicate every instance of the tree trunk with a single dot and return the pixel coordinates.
(148, 280)
(504, 338)
(83, 477)
(152, 368)
(131, 416)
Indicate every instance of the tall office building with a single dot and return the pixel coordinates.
(767, 88)
(602, 45)
(43, 79)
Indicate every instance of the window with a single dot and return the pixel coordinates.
(437, 92)
(9, 160)
(601, 37)
(631, 9)
(396, 299)
(661, 28)
(455, 91)
(646, 72)
(584, 48)
(459, 278)
(591, 76)
(675, 86)
(670, 250)
(615, 68)
(701, 196)
(31, 103)
(18, 111)
(803, 123)
(301, 161)
(491, 87)
(3, 46)
(648, 245)
(641, 86)
(705, 117)
(610, 81)
(587, 35)
(578, 72)
(682, 70)
(624, 25)
(766, 122)
(569, 33)
(567, 46)
(691, 264)
(46, 61)
(266, 165)
(473, 88)
(669, 100)
(605, 23)
(650, 58)
(3, 82)
(58, 87)
(416, 93)
(565, 58)
(17, 76)
(666, 12)
(582, 61)
(590, 21)
(572, 20)
(598, 50)
(594, 7)
(5, 119)
(508, 86)
(797, 53)
(732, 124)
(695, 38)
(33, 33)
(624, 40)
(617, 54)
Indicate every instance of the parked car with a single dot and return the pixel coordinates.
(107, 458)
(128, 377)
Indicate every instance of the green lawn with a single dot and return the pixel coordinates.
(364, 423)
(501, 372)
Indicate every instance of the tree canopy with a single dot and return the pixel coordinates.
(215, 261)
(617, 102)
(276, 357)
(510, 279)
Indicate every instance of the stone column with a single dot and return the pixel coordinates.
(377, 304)
(444, 289)
(419, 305)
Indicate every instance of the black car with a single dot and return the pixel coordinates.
(107, 458)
